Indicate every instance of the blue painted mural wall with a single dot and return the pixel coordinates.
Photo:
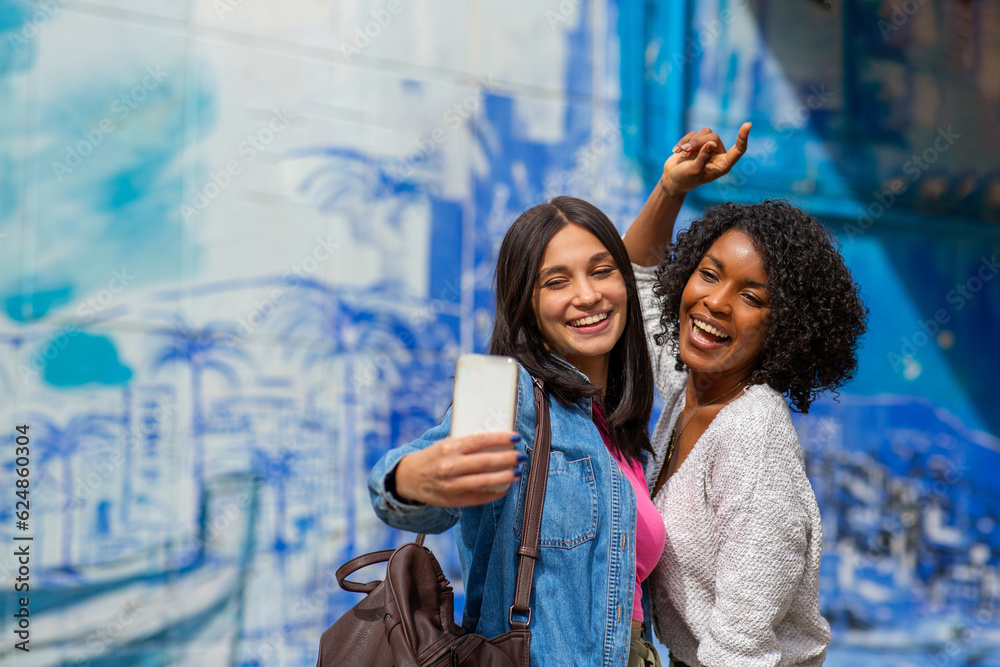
(241, 246)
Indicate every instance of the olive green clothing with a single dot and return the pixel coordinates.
(642, 653)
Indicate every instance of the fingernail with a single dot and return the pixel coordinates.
(521, 458)
(518, 472)
(686, 147)
(515, 438)
(677, 149)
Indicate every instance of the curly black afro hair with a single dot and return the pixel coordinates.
(817, 317)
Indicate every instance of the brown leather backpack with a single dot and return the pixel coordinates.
(408, 619)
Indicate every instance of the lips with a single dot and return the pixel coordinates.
(706, 335)
(590, 320)
(591, 324)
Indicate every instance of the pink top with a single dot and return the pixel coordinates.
(650, 531)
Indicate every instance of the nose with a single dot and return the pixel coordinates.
(586, 295)
(717, 300)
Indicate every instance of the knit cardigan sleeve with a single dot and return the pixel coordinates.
(762, 531)
(665, 373)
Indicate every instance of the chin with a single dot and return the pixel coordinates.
(700, 364)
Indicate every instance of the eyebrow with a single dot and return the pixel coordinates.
(596, 257)
(719, 263)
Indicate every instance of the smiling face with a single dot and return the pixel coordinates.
(724, 308)
(580, 301)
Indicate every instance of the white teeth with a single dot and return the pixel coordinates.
(593, 319)
(710, 329)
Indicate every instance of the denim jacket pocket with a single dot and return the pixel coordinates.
(569, 515)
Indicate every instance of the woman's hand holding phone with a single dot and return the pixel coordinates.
(478, 462)
(457, 472)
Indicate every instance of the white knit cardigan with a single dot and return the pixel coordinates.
(738, 582)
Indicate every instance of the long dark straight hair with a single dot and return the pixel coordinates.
(628, 397)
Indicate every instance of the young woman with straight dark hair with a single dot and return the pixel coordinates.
(568, 311)
(626, 396)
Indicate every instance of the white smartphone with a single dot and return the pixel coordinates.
(485, 394)
(485, 397)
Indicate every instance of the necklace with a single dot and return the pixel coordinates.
(675, 435)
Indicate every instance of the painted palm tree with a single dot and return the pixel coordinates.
(371, 195)
(201, 349)
(126, 421)
(275, 471)
(15, 340)
(59, 444)
(377, 320)
(349, 180)
(375, 333)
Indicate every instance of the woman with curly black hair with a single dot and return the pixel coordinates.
(752, 305)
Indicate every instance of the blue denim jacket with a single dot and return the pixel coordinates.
(581, 600)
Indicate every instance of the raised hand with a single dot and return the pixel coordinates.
(458, 472)
(700, 157)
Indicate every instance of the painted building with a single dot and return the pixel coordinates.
(242, 244)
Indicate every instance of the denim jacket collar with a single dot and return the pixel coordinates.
(585, 403)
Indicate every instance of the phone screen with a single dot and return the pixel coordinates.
(485, 396)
